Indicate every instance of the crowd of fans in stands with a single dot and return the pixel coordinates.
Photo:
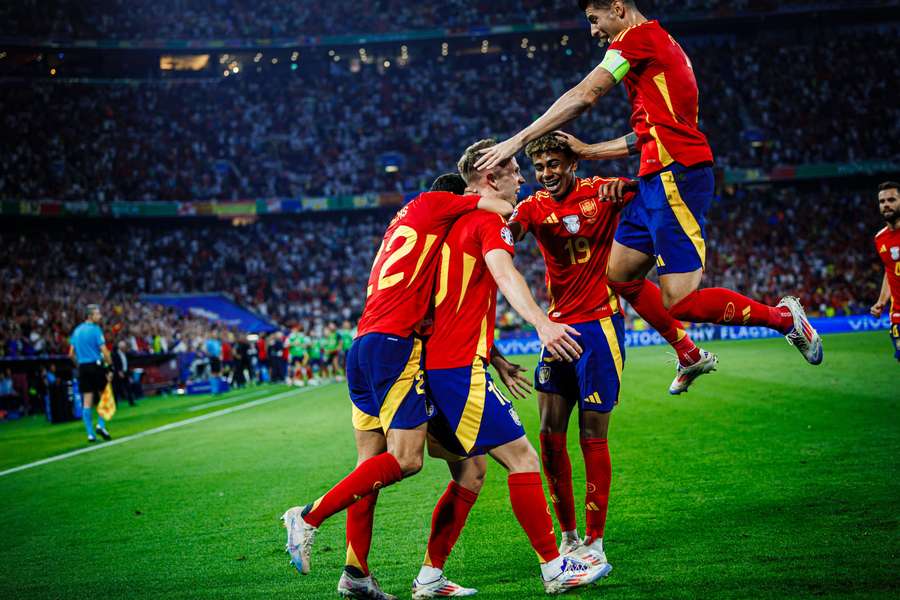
(764, 102)
(122, 19)
(814, 243)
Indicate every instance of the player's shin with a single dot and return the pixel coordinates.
(360, 519)
(447, 522)
(647, 301)
(725, 307)
(558, 471)
(377, 472)
(598, 473)
(526, 494)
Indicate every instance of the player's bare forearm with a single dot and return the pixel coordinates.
(618, 148)
(513, 286)
(885, 291)
(570, 105)
(495, 205)
(107, 358)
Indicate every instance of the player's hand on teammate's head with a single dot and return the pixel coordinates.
(616, 191)
(493, 156)
(557, 339)
(574, 144)
(514, 378)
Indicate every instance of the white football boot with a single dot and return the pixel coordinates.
(440, 588)
(803, 337)
(685, 376)
(593, 554)
(300, 537)
(362, 588)
(573, 573)
(570, 543)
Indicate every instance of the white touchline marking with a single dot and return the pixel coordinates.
(155, 430)
(245, 395)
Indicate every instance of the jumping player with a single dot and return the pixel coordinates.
(887, 244)
(665, 224)
(474, 418)
(386, 381)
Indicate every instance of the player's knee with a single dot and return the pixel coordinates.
(473, 479)
(526, 461)
(410, 463)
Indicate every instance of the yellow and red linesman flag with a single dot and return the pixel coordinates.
(107, 406)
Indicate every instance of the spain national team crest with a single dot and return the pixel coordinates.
(588, 208)
(895, 253)
(544, 374)
(572, 223)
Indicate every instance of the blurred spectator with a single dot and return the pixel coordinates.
(765, 101)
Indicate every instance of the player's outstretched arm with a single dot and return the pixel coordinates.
(570, 105)
(556, 337)
(622, 147)
(512, 375)
(883, 298)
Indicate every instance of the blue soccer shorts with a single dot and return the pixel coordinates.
(667, 218)
(594, 380)
(895, 338)
(472, 416)
(387, 382)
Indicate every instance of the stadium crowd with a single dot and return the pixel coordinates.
(281, 134)
(814, 243)
(120, 19)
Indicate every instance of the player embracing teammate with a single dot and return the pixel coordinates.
(665, 223)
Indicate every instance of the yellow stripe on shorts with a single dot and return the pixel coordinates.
(401, 387)
(609, 330)
(470, 422)
(684, 215)
(363, 421)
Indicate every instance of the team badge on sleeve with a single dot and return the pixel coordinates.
(572, 223)
(507, 236)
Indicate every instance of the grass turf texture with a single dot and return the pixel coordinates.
(771, 479)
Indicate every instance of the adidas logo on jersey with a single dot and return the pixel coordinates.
(552, 219)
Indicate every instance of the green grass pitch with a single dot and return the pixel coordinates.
(771, 479)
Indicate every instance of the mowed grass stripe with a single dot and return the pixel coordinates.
(156, 430)
(771, 479)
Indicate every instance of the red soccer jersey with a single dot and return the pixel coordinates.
(664, 97)
(887, 243)
(402, 277)
(575, 237)
(465, 303)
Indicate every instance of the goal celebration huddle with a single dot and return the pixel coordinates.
(417, 370)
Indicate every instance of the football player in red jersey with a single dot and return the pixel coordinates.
(473, 418)
(384, 372)
(386, 380)
(665, 224)
(574, 232)
(887, 244)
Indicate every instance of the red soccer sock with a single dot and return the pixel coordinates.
(377, 472)
(598, 472)
(646, 300)
(360, 518)
(724, 307)
(526, 494)
(558, 471)
(447, 523)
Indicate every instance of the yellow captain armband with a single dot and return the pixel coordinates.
(616, 64)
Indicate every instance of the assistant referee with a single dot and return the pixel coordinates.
(88, 350)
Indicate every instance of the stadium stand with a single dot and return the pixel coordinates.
(271, 18)
(276, 133)
(310, 271)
